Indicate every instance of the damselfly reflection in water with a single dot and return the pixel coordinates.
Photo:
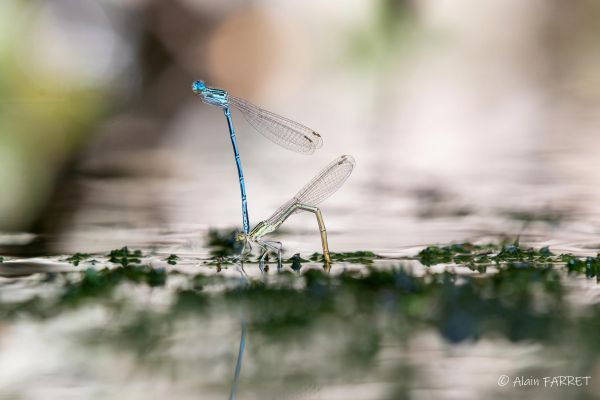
(327, 182)
(285, 132)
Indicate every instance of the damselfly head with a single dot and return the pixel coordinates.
(198, 87)
(241, 236)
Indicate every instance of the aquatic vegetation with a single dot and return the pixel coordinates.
(459, 307)
(125, 257)
(378, 307)
(296, 262)
(356, 257)
(460, 253)
(459, 300)
(363, 257)
(93, 282)
(77, 258)
(172, 259)
(480, 256)
(588, 265)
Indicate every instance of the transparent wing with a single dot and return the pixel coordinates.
(283, 131)
(326, 183)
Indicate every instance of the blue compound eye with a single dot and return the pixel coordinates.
(198, 86)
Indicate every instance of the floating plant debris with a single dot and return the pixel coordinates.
(77, 258)
(125, 257)
(172, 259)
(357, 257)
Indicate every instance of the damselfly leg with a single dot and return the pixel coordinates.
(276, 247)
(324, 243)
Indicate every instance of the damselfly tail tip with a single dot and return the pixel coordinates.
(198, 87)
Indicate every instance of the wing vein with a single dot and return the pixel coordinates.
(282, 131)
(323, 185)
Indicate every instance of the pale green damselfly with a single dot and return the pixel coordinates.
(327, 182)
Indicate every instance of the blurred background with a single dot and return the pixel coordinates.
(467, 119)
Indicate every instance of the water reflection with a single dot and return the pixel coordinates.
(400, 325)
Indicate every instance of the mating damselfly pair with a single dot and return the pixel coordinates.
(290, 135)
